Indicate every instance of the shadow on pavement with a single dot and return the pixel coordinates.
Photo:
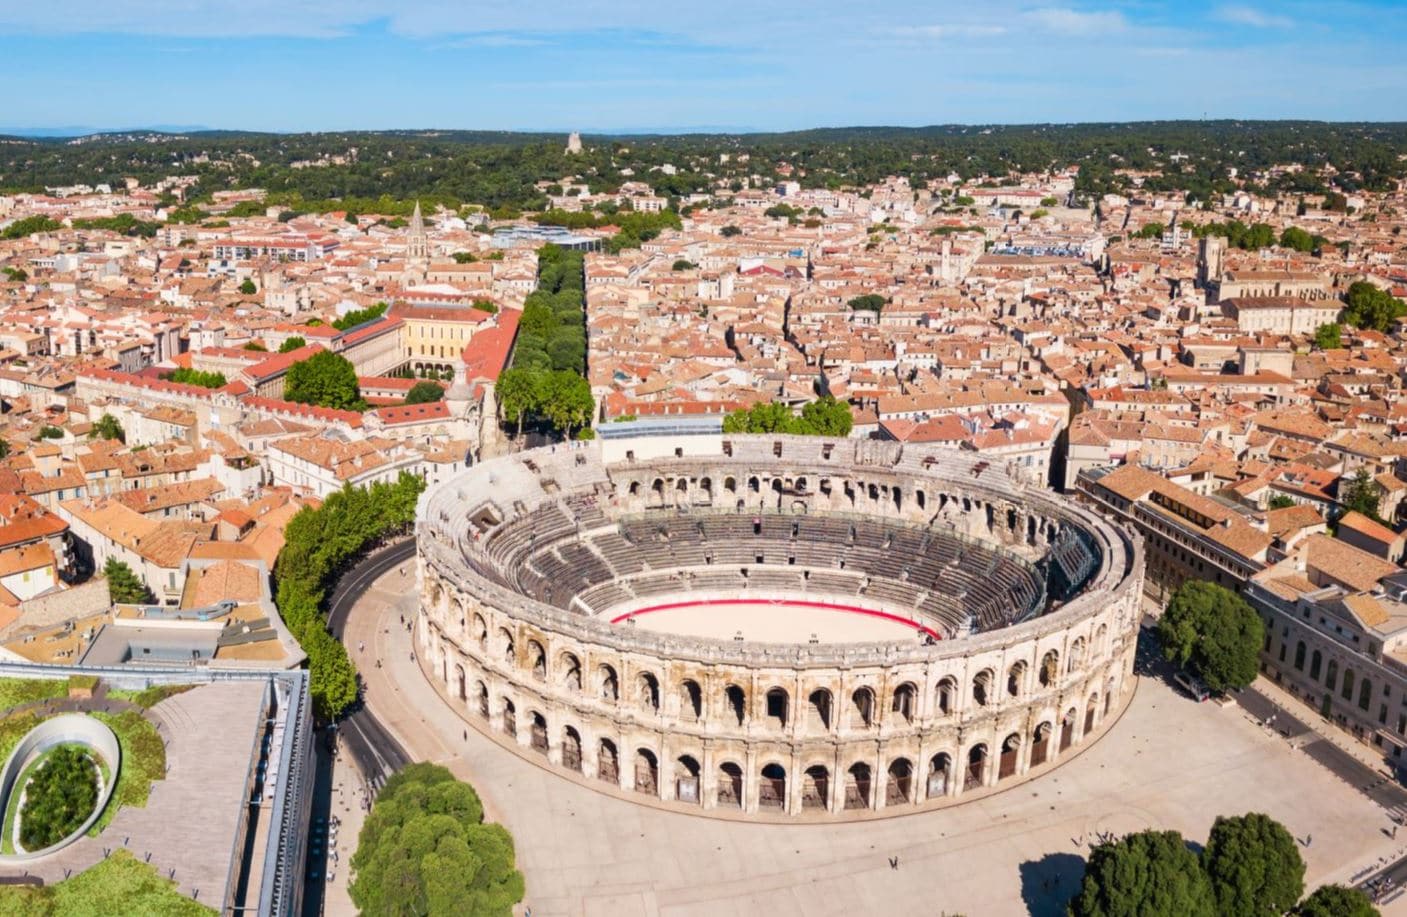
(1048, 884)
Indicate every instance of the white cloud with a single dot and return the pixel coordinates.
(1256, 19)
(950, 30)
(1068, 21)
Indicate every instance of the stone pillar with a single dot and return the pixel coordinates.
(708, 777)
(750, 782)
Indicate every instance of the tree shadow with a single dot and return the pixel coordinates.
(1048, 884)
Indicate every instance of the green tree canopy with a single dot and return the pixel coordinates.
(1368, 306)
(1329, 336)
(869, 302)
(256, 346)
(1295, 238)
(1281, 501)
(822, 417)
(325, 379)
(1214, 633)
(360, 316)
(1254, 866)
(1149, 873)
(424, 393)
(124, 586)
(248, 288)
(187, 376)
(1361, 494)
(425, 849)
(107, 427)
(292, 343)
(1337, 901)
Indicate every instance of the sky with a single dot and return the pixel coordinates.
(656, 65)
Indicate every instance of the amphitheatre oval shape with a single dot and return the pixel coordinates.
(776, 627)
(63, 729)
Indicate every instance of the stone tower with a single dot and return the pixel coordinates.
(417, 248)
(573, 143)
(1209, 260)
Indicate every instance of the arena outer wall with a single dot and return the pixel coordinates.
(693, 724)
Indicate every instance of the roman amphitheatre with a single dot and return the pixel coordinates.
(775, 627)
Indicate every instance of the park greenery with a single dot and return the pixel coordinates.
(187, 376)
(424, 393)
(1281, 501)
(15, 274)
(107, 427)
(823, 417)
(546, 381)
(426, 850)
(359, 316)
(1328, 336)
(59, 796)
(124, 586)
(1212, 632)
(869, 302)
(257, 346)
(325, 379)
(632, 228)
(118, 884)
(318, 546)
(29, 226)
(143, 762)
(123, 224)
(49, 431)
(1371, 307)
(291, 344)
(1249, 867)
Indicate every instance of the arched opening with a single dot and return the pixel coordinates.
(481, 632)
(772, 789)
(690, 700)
(730, 786)
(815, 787)
(940, 768)
(1315, 662)
(1011, 750)
(647, 688)
(982, 688)
(819, 702)
(510, 718)
(862, 704)
(1299, 656)
(463, 682)
(777, 707)
(686, 779)
(858, 784)
(1015, 679)
(538, 739)
(735, 704)
(505, 643)
(1077, 654)
(900, 787)
(647, 772)
(608, 762)
(947, 695)
(976, 766)
(609, 686)
(904, 702)
(571, 749)
(730, 484)
(1091, 708)
(538, 659)
(754, 485)
(920, 499)
(1050, 668)
(1067, 728)
(1348, 677)
(571, 671)
(657, 493)
(1040, 745)
(634, 488)
(1365, 694)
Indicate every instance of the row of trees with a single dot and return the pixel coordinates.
(187, 376)
(1250, 867)
(359, 316)
(561, 397)
(426, 850)
(823, 417)
(318, 545)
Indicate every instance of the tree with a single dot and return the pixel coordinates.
(291, 344)
(827, 417)
(1362, 495)
(730, 231)
(870, 302)
(59, 797)
(424, 393)
(1049, 201)
(247, 288)
(15, 274)
(683, 264)
(1254, 866)
(1281, 501)
(1328, 336)
(123, 586)
(359, 316)
(325, 379)
(425, 849)
(1337, 901)
(257, 346)
(1297, 239)
(1214, 633)
(1152, 872)
(107, 427)
(49, 431)
(823, 417)
(566, 401)
(1368, 306)
(188, 376)
(351, 218)
(518, 394)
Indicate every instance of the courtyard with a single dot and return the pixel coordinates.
(1169, 763)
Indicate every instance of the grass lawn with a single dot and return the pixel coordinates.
(121, 884)
(148, 697)
(143, 760)
(16, 691)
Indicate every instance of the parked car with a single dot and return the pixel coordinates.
(1195, 689)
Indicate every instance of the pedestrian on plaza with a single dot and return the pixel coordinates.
(361, 646)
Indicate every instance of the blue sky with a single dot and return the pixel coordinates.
(292, 65)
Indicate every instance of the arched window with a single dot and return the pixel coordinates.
(1365, 693)
(1050, 668)
(610, 685)
(820, 704)
(1016, 679)
(862, 702)
(982, 688)
(947, 695)
(735, 702)
(1299, 656)
(777, 707)
(772, 788)
(648, 691)
(1347, 684)
(1314, 663)
(904, 702)
(690, 700)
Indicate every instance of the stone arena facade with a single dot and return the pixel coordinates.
(1027, 606)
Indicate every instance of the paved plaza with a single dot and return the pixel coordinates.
(1169, 763)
